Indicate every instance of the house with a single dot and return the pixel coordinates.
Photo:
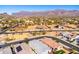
(72, 26)
(66, 35)
(77, 39)
(5, 50)
(51, 43)
(39, 47)
(22, 48)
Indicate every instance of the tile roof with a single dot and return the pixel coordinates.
(51, 43)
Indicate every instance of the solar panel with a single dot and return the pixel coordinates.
(18, 48)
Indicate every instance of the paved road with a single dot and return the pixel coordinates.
(47, 30)
(25, 40)
(66, 43)
(4, 31)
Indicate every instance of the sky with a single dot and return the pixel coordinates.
(16, 8)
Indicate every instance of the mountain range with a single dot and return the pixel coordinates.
(46, 13)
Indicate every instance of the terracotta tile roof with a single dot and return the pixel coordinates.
(51, 43)
(70, 25)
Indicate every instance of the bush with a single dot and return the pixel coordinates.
(59, 52)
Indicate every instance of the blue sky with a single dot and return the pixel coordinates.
(16, 8)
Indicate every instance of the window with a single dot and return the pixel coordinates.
(18, 48)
